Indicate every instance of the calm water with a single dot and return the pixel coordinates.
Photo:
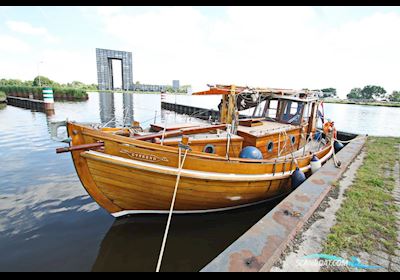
(48, 222)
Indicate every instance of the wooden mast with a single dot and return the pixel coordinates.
(228, 106)
(231, 105)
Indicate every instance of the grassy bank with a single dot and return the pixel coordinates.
(59, 93)
(3, 97)
(366, 220)
(372, 103)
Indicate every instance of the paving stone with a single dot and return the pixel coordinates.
(379, 270)
(384, 263)
(395, 259)
(395, 267)
(382, 255)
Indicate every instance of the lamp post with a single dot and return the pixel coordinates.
(40, 84)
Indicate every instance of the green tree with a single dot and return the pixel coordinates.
(77, 84)
(395, 96)
(355, 93)
(44, 81)
(371, 92)
(328, 92)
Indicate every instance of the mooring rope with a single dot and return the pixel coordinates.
(172, 206)
(228, 140)
(292, 149)
(164, 131)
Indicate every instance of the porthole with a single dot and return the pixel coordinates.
(270, 146)
(293, 139)
(209, 149)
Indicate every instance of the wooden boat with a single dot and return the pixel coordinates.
(129, 171)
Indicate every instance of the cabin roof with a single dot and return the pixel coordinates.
(303, 95)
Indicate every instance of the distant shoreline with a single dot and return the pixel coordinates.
(372, 103)
(138, 92)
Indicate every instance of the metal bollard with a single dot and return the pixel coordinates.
(48, 98)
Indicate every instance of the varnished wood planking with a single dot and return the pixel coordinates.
(117, 188)
(190, 194)
(116, 139)
(195, 163)
(165, 182)
(129, 195)
(85, 176)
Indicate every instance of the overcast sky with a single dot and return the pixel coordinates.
(287, 47)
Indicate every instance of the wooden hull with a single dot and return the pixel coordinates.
(129, 176)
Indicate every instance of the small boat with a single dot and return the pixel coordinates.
(220, 166)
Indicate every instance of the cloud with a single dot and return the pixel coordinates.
(65, 66)
(292, 47)
(13, 44)
(26, 28)
(263, 46)
(108, 10)
(60, 65)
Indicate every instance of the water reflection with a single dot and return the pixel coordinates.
(133, 244)
(107, 109)
(128, 109)
(48, 222)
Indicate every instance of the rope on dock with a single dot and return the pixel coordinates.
(228, 140)
(172, 205)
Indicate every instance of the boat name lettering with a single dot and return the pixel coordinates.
(136, 155)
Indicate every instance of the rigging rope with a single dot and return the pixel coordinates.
(172, 204)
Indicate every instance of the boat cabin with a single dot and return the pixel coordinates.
(280, 123)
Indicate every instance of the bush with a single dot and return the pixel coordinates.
(59, 93)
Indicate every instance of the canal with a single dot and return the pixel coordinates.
(48, 222)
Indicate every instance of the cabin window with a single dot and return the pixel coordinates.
(293, 108)
(209, 149)
(292, 139)
(270, 146)
(272, 109)
(292, 111)
(258, 110)
(307, 112)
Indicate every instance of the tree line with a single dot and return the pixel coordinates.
(168, 88)
(46, 82)
(369, 92)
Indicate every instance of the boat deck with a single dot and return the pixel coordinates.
(267, 128)
(201, 137)
(174, 126)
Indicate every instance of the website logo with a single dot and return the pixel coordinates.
(330, 260)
